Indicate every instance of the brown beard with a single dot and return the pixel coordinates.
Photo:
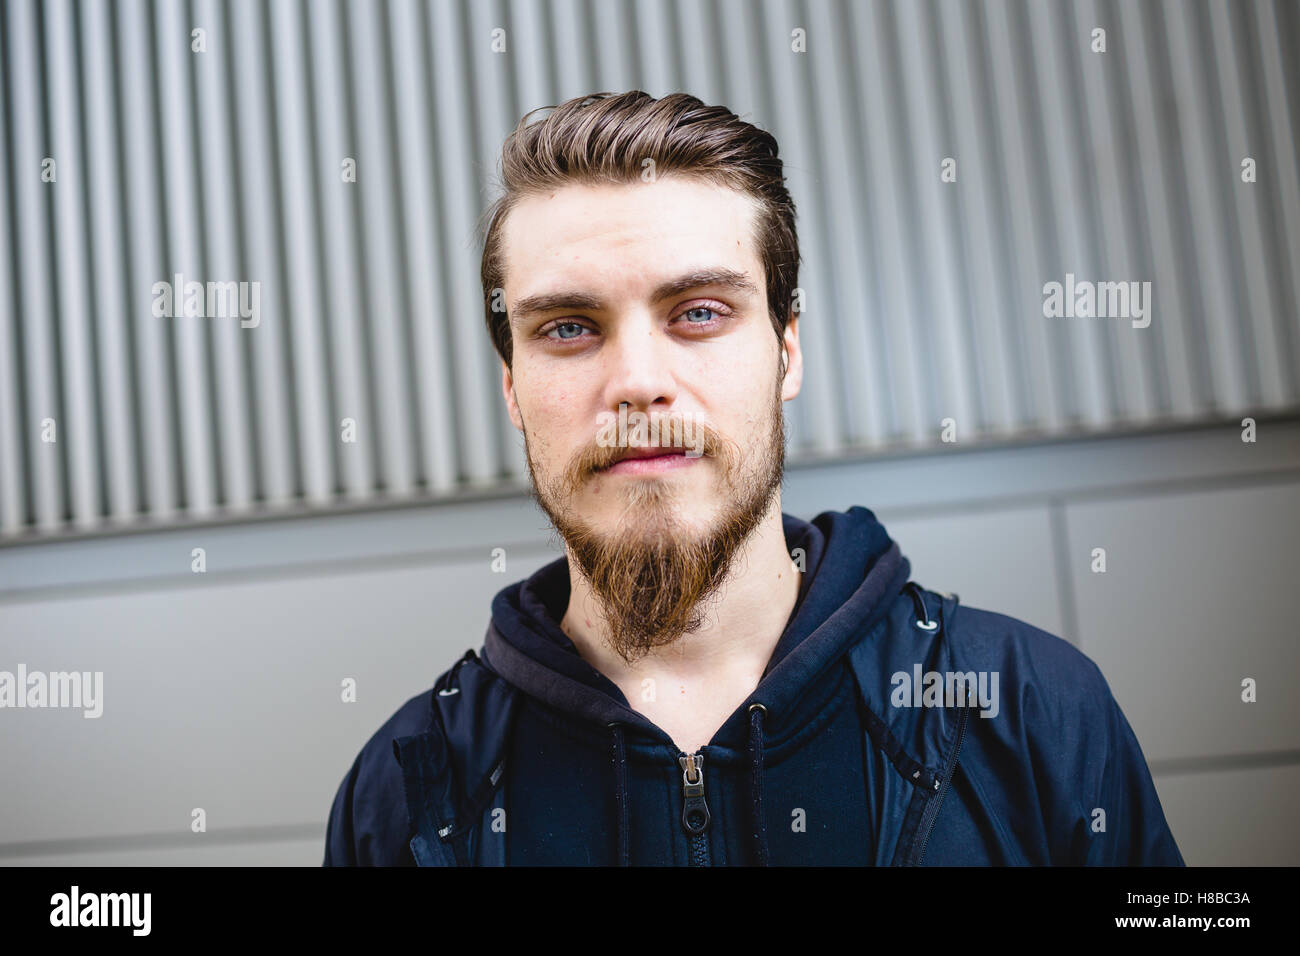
(652, 583)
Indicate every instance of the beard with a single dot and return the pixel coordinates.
(652, 575)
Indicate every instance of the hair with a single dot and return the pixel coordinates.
(605, 138)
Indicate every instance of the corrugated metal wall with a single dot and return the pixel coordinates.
(924, 298)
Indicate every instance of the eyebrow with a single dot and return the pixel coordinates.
(554, 301)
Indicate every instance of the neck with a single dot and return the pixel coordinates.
(726, 657)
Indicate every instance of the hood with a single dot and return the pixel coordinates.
(852, 576)
(853, 572)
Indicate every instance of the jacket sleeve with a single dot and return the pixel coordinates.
(1136, 832)
(339, 850)
(340, 842)
(368, 821)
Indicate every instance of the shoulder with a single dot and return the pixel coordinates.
(444, 734)
(1061, 740)
(1044, 704)
(1039, 674)
(368, 821)
(1052, 724)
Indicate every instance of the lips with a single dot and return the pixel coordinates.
(648, 453)
(645, 460)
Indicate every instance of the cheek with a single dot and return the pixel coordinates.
(554, 427)
(747, 399)
(539, 397)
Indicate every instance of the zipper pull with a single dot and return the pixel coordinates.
(695, 813)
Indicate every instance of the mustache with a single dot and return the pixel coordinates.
(597, 456)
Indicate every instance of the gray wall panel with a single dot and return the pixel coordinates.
(924, 297)
(1197, 595)
(1000, 560)
(249, 677)
(1209, 812)
(198, 851)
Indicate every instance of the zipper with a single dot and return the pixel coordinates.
(947, 779)
(695, 810)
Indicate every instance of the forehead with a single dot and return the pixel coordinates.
(627, 236)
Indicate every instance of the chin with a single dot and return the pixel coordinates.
(649, 511)
(684, 520)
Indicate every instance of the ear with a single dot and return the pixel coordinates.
(792, 355)
(508, 389)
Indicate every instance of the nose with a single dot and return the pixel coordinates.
(640, 370)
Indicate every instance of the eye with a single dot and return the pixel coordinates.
(705, 314)
(565, 331)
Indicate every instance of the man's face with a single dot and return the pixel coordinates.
(649, 298)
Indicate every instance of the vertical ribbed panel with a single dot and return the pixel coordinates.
(1044, 404)
(897, 367)
(212, 73)
(1063, 170)
(268, 345)
(1160, 206)
(479, 410)
(1259, 304)
(302, 300)
(1210, 173)
(79, 433)
(110, 309)
(1133, 393)
(385, 303)
(424, 273)
(1283, 159)
(148, 263)
(343, 299)
(495, 446)
(817, 425)
(34, 265)
(184, 256)
(992, 343)
(924, 298)
(948, 340)
(13, 483)
(865, 422)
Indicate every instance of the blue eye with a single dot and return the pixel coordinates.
(699, 308)
(568, 325)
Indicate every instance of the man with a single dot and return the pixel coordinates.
(702, 679)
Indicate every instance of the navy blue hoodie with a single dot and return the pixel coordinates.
(857, 747)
